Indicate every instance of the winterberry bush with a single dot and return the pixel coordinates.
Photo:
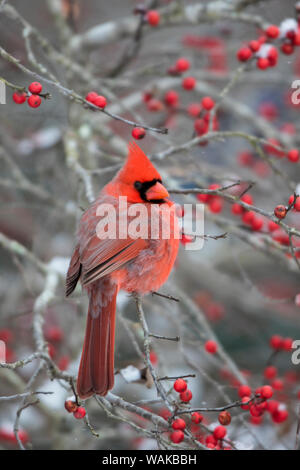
(212, 91)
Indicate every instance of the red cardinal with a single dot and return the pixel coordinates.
(134, 263)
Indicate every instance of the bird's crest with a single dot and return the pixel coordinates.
(137, 166)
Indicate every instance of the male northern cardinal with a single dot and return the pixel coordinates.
(133, 263)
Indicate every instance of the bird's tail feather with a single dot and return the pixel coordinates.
(96, 370)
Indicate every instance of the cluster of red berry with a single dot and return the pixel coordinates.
(213, 440)
(170, 100)
(281, 211)
(213, 309)
(33, 98)
(274, 147)
(97, 100)
(261, 403)
(101, 102)
(72, 407)
(54, 335)
(249, 217)
(215, 203)
(265, 53)
(8, 436)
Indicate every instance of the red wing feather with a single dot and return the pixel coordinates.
(74, 271)
(104, 257)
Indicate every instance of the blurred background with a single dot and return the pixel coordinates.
(56, 158)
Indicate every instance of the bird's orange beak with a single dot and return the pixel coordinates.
(156, 192)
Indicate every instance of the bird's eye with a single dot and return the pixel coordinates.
(138, 185)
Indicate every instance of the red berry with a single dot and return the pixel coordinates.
(277, 384)
(51, 350)
(153, 17)
(147, 95)
(272, 405)
(71, 406)
(91, 96)
(189, 83)
(214, 186)
(248, 217)
(244, 390)
(220, 432)
(262, 63)
(256, 420)
(171, 98)
(63, 362)
(6, 335)
(245, 400)
(138, 133)
(79, 413)
(279, 416)
(216, 205)
(237, 209)
(23, 436)
(19, 97)
(194, 109)
(293, 155)
(203, 197)
(165, 413)
(211, 440)
(186, 239)
(153, 358)
(34, 101)
(247, 198)
(272, 226)
(245, 158)
(100, 101)
(244, 54)
(35, 88)
(179, 424)
(276, 342)
(296, 39)
(186, 396)
(254, 46)
(177, 436)
(197, 417)
(257, 224)
(255, 411)
(224, 418)
(287, 48)
(271, 148)
(280, 211)
(154, 105)
(182, 64)
(268, 110)
(211, 347)
(296, 204)
(288, 128)
(272, 31)
(287, 344)
(273, 56)
(266, 391)
(270, 372)
(54, 334)
(207, 103)
(180, 385)
(201, 126)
